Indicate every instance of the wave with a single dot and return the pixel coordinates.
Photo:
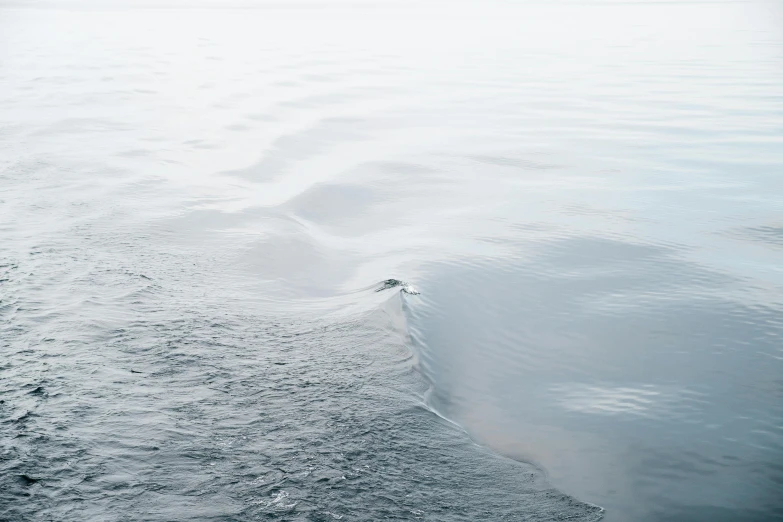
(418, 347)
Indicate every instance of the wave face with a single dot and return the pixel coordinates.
(202, 205)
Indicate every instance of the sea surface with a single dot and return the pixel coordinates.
(215, 219)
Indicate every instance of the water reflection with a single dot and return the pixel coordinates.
(196, 203)
(606, 355)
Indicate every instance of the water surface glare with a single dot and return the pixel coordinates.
(446, 261)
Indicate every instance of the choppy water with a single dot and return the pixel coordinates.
(199, 206)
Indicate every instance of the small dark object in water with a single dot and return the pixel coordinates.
(391, 283)
(26, 480)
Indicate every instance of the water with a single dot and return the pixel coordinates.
(201, 210)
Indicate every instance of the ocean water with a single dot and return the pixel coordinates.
(215, 219)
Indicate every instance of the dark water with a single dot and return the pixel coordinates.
(200, 210)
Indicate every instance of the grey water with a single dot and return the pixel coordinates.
(391, 260)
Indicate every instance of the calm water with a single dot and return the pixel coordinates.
(197, 207)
